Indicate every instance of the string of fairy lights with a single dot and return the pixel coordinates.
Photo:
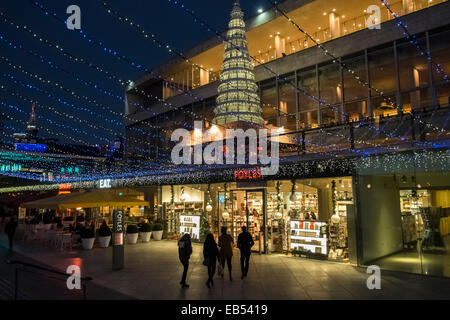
(345, 67)
(384, 163)
(116, 54)
(141, 30)
(42, 8)
(74, 58)
(336, 60)
(413, 40)
(74, 117)
(203, 23)
(93, 85)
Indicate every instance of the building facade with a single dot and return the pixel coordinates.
(364, 173)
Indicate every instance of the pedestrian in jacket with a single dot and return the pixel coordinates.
(184, 253)
(226, 249)
(245, 244)
(210, 255)
(10, 230)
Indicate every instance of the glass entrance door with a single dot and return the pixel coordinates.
(256, 218)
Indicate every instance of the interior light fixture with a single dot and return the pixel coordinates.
(260, 10)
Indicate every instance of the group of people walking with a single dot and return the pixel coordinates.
(221, 252)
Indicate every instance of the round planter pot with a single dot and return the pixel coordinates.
(132, 238)
(145, 236)
(87, 243)
(157, 235)
(104, 241)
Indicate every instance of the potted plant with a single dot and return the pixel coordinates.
(132, 233)
(145, 231)
(87, 238)
(157, 231)
(104, 236)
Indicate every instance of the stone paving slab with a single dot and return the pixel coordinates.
(152, 271)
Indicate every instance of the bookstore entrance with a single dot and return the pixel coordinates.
(245, 208)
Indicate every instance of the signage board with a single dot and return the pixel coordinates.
(118, 249)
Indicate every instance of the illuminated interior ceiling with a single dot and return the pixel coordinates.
(309, 17)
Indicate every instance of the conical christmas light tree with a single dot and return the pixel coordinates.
(238, 99)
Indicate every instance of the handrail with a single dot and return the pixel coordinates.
(44, 268)
(16, 280)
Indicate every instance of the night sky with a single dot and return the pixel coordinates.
(160, 17)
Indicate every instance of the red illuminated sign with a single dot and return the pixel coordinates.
(247, 174)
(64, 188)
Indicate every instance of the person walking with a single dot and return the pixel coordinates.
(226, 249)
(245, 244)
(10, 230)
(184, 253)
(210, 255)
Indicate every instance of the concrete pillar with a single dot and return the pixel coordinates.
(204, 77)
(415, 95)
(335, 26)
(280, 46)
(407, 6)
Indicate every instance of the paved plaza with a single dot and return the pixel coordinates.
(152, 271)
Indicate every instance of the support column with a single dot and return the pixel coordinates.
(280, 46)
(335, 25)
(407, 6)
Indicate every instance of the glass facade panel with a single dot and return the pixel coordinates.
(308, 119)
(405, 224)
(309, 217)
(288, 103)
(330, 83)
(307, 80)
(413, 73)
(269, 101)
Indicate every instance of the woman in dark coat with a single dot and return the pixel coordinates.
(210, 254)
(184, 253)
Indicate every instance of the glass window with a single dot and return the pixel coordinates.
(330, 83)
(413, 67)
(439, 52)
(353, 89)
(382, 69)
(288, 105)
(308, 119)
(307, 81)
(329, 115)
(269, 101)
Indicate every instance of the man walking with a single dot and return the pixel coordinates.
(10, 230)
(245, 244)
(184, 253)
(226, 250)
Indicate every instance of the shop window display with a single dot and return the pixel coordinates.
(304, 217)
(183, 207)
(414, 236)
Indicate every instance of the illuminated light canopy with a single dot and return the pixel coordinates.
(237, 98)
